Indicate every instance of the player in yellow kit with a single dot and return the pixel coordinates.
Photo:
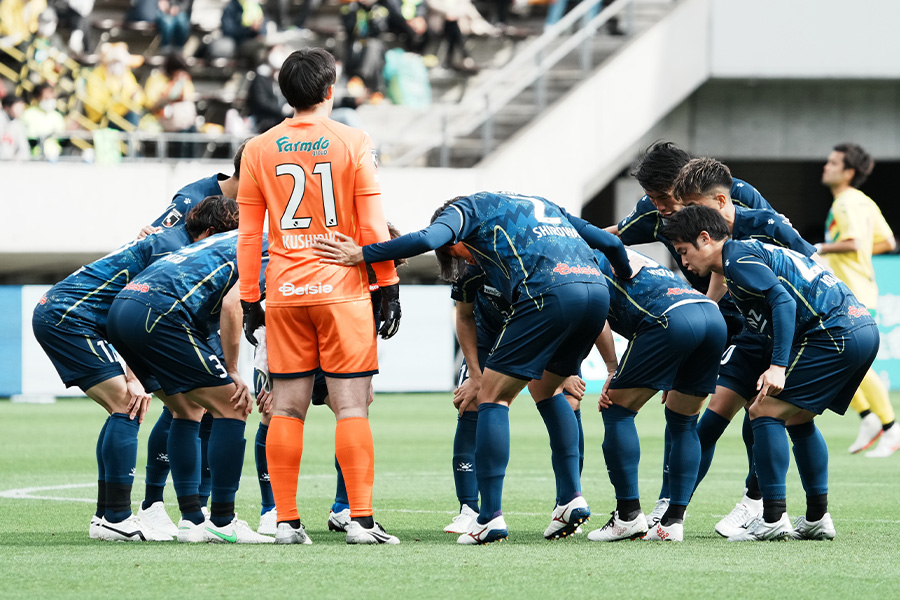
(854, 231)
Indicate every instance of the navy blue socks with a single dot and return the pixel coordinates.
(262, 469)
(157, 469)
(684, 458)
(562, 427)
(622, 451)
(709, 430)
(491, 457)
(119, 452)
(464, 460)
(226, 459)
(184, 448)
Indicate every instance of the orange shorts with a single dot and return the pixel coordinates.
(339, 338)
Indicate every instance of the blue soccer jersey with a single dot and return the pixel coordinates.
(646, 297)
(187, 198)
(189, 285)
(525, 244)
(491, 309)
(765, 280)
(80, 302)
(769, 227)
(644, 225)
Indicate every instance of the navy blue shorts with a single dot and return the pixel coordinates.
(553, 332)
(82, 359)
(178, 356)
(825, 370)
(681, 354)
(748, 356)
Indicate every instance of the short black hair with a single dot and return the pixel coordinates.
(700, 176)
(10, 99)
(173, 63)
(451, 266)
(238, 155)
(857, 159)
(305, 77)
(659, 166)
(217, 212)
(686, 224)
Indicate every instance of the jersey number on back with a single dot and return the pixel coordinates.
(289, 220)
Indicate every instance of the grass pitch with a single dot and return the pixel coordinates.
(47, 477)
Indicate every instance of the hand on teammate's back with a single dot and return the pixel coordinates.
(254, 318)
(390, 310)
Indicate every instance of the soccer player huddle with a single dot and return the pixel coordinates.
(761, 324)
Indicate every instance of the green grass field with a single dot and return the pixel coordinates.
(45, 551)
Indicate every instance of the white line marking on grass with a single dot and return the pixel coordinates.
(29, 492)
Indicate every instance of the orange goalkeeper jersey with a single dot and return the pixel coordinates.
(315, 177)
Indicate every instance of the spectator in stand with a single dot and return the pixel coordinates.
(265, 102)
(73, 14)
(112, 95)
(243, 31)
(13, 142)
(42, 122)
(19, 20)
(365, 22)
(170, 97)
(174, 23)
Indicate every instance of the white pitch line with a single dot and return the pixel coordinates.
(29, 492)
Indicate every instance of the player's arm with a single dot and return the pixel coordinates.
(751, 275)
(605, 242)
(607, 349)
(467, 334)
(230, 328)
(717, 287)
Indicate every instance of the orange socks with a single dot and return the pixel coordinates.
(284, 447)
(355, 452)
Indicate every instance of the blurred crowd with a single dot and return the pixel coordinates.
(62, 69)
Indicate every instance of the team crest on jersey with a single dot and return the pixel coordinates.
(172, 218)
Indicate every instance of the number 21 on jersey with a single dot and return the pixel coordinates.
(290, 220)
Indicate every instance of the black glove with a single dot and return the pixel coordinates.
(254, 318)
(390, 310)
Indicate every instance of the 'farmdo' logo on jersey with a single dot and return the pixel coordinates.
(317, 148)
(289, 289)
(138, 287)
(564, 269)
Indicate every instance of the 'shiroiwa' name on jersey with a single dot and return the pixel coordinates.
(646, 297)
(318, 147)
(81, 301)
(524, 244)
(190, 284)
(823, 302)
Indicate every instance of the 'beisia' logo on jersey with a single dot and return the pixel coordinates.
(857, 311)
(289, 289)
(317, 148)
(564, 269)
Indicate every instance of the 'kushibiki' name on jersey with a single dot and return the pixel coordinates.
(318, 148)
(301, 242)
(289, 289)
(543, 230)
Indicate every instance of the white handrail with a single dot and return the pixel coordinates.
(479, 105)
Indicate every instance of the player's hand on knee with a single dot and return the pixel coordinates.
(241, 399)
(254, 318)
(390, 310)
